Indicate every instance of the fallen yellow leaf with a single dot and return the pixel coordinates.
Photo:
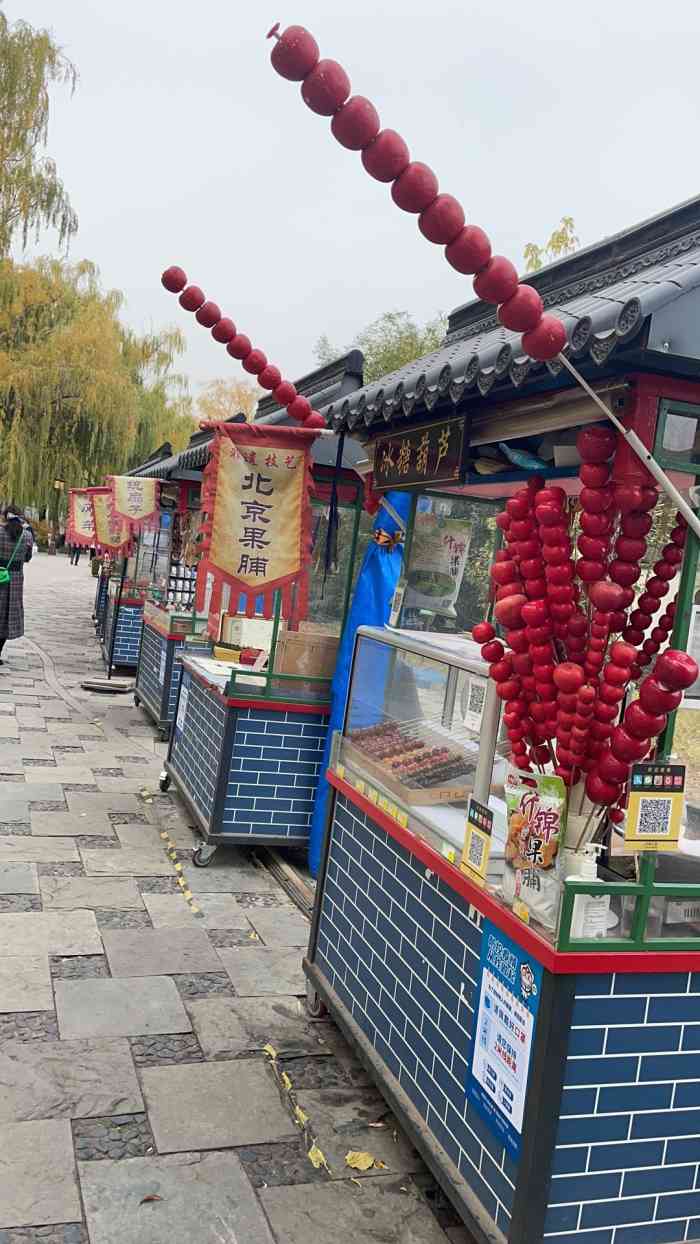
(287, 1083)
(270, 1051)
(359, 1160)
(317, 1159)
(300, 1116)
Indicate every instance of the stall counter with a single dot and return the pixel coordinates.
(246, 767)
(122, 626)
(159, 661)
(597, 1051)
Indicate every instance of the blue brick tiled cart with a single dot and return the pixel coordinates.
(610, 1149)
(159, 663)
(246, 768)
(123, 616)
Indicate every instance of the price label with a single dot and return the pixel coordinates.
(372, 795)
(402, 818)
(359, 786)
(521, 911)
(449, 852)
(340, 770)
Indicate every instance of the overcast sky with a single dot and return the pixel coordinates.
(181, 145)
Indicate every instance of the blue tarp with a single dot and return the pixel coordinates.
(370, 606)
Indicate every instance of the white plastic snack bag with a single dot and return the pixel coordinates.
(536, 821)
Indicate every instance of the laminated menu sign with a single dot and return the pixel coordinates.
(161, 667)
(508, 995)
(182, 704)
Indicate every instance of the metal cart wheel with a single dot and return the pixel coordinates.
(164, 733)
(202, 856)
(315, 1006)
(137, 699)
(164, 780)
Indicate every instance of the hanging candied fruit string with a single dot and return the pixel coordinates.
(240, 347)
(355, 124)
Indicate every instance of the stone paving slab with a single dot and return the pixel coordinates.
(9, 728)
(231, 1027)
(119, 1008)
(37, 1174)
(79, 801)
(339, 1119)
(205, 1198)
(101, 893)
(67, 825)
(385, 1209)
(140, 838)
(50, 933)
(280, 926)
(64, 774)
(67, 1079)
(25, 983)
(18, 879)
(159, 952)
(218, 911)
(214, 1105)
(125, 863)
(232, 875)
(263, 970)
(30, 850)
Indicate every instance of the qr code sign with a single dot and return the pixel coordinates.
(654, 818)
(475, 858)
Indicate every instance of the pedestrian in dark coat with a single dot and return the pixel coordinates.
(15, 549)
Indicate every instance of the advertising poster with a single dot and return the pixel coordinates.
(182, 703)
(655, 809)
(508, 995)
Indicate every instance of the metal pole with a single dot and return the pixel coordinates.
(115, 618)
(640, 449)
(488, 731)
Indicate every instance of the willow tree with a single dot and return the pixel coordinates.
(75, 385)
(31, 192)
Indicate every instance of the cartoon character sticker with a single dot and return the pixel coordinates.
(528, 985)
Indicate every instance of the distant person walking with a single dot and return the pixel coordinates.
(15, 549)
(76, 550)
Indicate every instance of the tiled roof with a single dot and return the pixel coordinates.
(604, 295)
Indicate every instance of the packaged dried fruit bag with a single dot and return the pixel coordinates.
(536, 826)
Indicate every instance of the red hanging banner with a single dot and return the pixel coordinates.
(257, 529)
(80, 527)
(135, 499)
(111, 531)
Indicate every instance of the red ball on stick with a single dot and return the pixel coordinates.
(655, 698)
(191, 298)
(676, 670)
(356, 124)
(174, 279)
(325, 88)
(626, 747)
(285, 393)
(239, 346)
(641, 724)
(497, 282)
(546, 340)
(255, 362)
(269, 377)
(208, 314)
(470, 251)
(596, 443)
(523, 310)
(314, 420)
(295, 52)
(387, 157)
(443, 220)
(482, 632)
(299, 408)
(224, 330)
(601, 792)
(415, 188)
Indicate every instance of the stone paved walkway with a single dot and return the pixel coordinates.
(159, 1078)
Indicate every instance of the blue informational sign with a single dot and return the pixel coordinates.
(507, 1000)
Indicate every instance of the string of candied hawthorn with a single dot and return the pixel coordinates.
(240, 347)
(355, 124)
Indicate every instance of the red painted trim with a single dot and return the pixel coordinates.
(132, 601)
(555, 961)
(277, 706)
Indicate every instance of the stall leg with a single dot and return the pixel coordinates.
(164, 780)
(315, 1006)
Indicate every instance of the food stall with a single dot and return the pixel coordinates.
(274, 583)
(167, 560)
(507, 921)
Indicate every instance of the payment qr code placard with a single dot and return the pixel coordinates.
(477, 841)
(655, 806)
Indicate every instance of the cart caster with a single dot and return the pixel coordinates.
(202, 856)
(164, 781)
(137, 699)
(315, 1006)
(164, 734)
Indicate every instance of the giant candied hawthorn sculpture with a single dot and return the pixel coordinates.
(240, 347)
(355, 124)
(574, 628)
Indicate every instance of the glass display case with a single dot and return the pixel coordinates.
(420, 736)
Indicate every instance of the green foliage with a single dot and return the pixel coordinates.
(31, 193)
(80, 395)
(563, 241)
(388, 343)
